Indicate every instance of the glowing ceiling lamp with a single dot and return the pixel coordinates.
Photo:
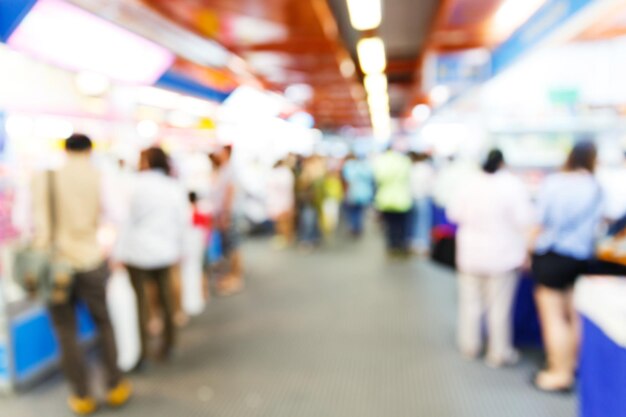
(372, 57)
(365, 14)
(375, 84)
(421, 112)
(67, 36)
(440, 94)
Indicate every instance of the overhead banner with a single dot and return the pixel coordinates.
(541, 25)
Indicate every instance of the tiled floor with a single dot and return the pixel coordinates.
(340, 333)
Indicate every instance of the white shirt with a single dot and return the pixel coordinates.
(494, 214)
(153, 234)
(280, 192)
(422, 178)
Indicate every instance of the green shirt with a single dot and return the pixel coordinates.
(392, 171)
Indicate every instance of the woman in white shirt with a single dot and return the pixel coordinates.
(151, 241)
(494, 214)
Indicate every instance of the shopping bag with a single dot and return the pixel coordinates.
(192, 272)
(122, 306)
(214, 252)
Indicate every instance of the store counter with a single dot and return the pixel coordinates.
(28, 346)
(602, 373)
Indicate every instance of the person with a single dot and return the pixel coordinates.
(392, 171)
(151, 244)
(332, 190)
(310, 194)
(494, 215)
(570, 206)
(359, 180)
(281, 202)
(422, 179)
(226, 202)
(71, 227)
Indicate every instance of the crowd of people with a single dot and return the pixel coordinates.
(500, 232)
(153, 219)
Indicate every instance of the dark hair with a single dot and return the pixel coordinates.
(193, 197)
(494, 161)
(582, 156)
(78, 143)
(155, 158)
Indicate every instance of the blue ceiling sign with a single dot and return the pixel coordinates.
(542, 24)
(12, 12)
(175, 81)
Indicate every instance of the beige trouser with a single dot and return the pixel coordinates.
(490, 296)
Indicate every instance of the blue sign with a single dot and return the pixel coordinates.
(542, 24)
(12, 12)
(463, 68)
(178, 82)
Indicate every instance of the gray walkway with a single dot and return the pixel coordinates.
(342, 333)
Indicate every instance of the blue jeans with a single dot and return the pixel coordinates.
(422, 223)
(309, 225)
(397, 230)
(355, 214)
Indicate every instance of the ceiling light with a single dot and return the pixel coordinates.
(421, 112)
(148, 129)
(347, 68)
(376, 104)
(375, 83)
(365, 14)
(371, 53)
(440, 94)
(59, 33)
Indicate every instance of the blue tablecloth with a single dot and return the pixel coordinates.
(602, 374)
(526, 326)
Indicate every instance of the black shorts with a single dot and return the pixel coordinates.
(556, 271)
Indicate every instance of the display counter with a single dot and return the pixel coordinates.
(601, 301)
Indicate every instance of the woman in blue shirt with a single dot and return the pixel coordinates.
(570, 210)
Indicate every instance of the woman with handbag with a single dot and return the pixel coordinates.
(151, 242)
(570, 206)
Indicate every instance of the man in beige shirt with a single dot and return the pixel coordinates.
(71, 227)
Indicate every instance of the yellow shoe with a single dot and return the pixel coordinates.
(119, 395)
(82, 406)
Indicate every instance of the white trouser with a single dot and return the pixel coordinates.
(493, 297)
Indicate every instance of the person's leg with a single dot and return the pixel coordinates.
(137, 279)
(575, 325)
(307, 224)
(359, 213)
(388, 220)
(72, 360)
(414, 224)
(557, 337)
(501, 291)
(163, 278)
(424, 223)
(404, 231)
(91, 289)
(470, 315)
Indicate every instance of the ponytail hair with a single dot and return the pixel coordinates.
(494, 161)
